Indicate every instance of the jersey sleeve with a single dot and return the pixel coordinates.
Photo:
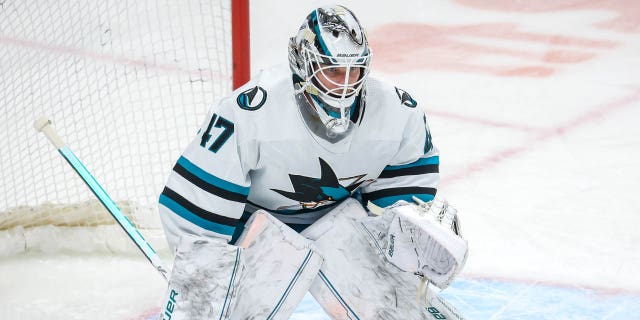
(207, 189)
(413, 171)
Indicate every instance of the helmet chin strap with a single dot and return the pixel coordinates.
(342, 104)
(335, 123)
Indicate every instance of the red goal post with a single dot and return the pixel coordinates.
(241, 44)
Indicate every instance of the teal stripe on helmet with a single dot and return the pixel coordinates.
(316, 30)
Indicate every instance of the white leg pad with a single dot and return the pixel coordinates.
(356, 281)
(264, 277)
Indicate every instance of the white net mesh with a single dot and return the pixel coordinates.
(126, 84)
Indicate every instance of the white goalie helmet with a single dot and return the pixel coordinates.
(330, 58)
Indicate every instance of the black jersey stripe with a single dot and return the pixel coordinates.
(410, 171)
(208, 187)
(372, 196)
(202, 213)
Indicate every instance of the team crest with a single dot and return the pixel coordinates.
(405, 98)
(252, 99)
(312, 193)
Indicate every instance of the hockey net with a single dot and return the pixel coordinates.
(126, 84)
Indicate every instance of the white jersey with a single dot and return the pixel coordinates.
(254, 151)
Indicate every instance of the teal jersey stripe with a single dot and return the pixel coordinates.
(195, 219)
(387, 201)
(209, 178)
(419, 162)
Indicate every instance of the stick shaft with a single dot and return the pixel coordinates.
(102, 195)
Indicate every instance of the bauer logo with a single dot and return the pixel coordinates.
(171, 305)
(405, 98)
(347, 55)
(252, 99)
(436, 313)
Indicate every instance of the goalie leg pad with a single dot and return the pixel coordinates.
(282, 264)
(202, 276)
(356, 281)
(264, 277)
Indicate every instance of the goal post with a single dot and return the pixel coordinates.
(240, 38)
(127, 83)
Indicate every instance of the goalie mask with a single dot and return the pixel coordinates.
(329, 58)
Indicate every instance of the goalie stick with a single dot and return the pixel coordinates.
(43, 124)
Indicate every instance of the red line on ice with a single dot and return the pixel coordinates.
(541, 136)
(485, 122)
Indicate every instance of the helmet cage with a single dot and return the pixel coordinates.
(324, 65)
(337, 92)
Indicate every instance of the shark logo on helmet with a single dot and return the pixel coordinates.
(332, 19)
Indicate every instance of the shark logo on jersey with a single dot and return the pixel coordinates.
(405, 98)
(252, 99)
(315, 192)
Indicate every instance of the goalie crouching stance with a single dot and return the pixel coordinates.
(266, 203)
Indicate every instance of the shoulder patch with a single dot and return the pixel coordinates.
(252, 99)
(405, 98)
